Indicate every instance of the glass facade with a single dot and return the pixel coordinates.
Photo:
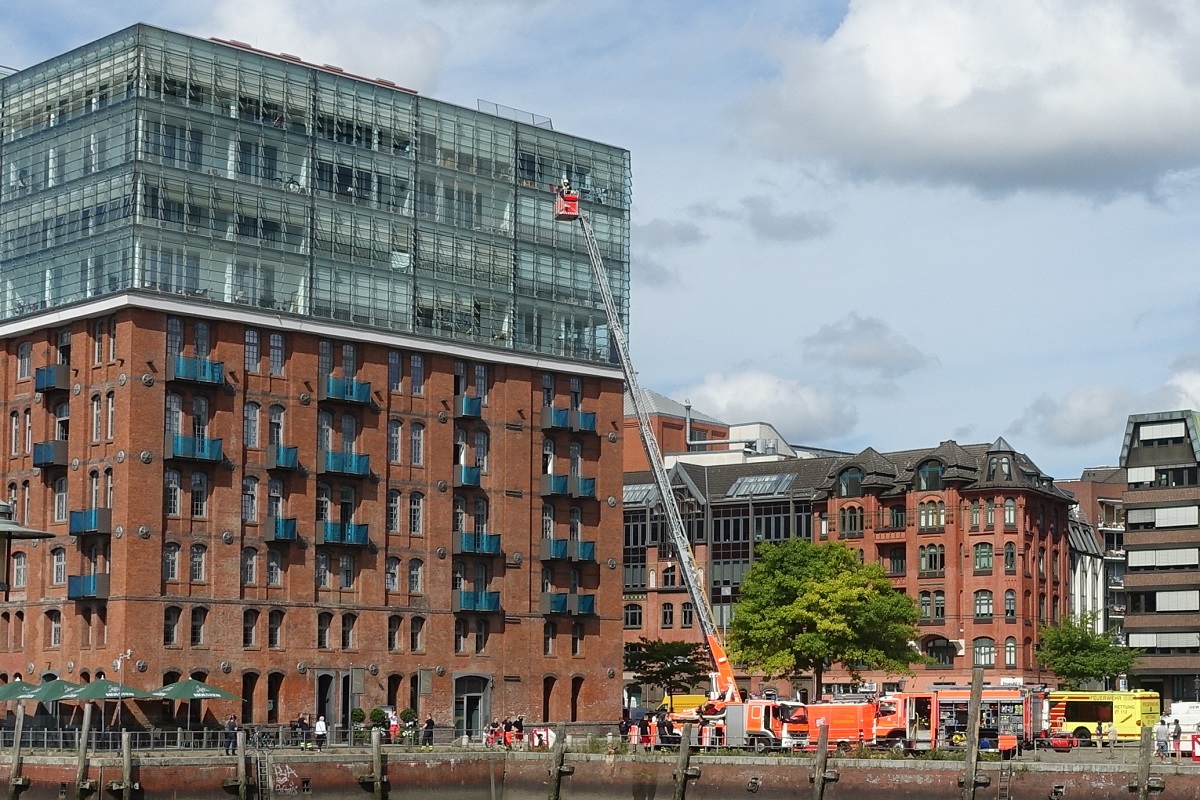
(154, 162)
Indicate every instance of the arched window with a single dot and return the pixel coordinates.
(253, 351)
(985, 652)
(198, 563)
(60, 499)
(668, 615)
(547, 456)
(460, 635)
(941, 651)
(1010, 605)
(250, 499)
(58, 563)
(392, 574)
(275, 425)
(324, 502)
(203, 343)
(321, 570)
(1010, 557)
(249, 566)
(199, 495)
(983, 557)
(549, 632)
(250, 424)
(481, 515)
(170, 561)
(348, 622)
(173, 416)
(687, 615)
(575, 460)
(274, 568)
(416, 576)
(633, 616)
(850, 483)
(1041, 562)
(1010, 512)
(200, 417)
(275, 629)
(199, 620)
(939, 605)
(18, 571)
(275, 499)
(547, 579)
(416, 635)
(1010, 652)
(349, 429)
(929, 476)
(926, 602)
(974, 513)
(395, 622)
(249, 628)
(171, 626)
(324, 622)
(850, 520)
(393, 511)
(24, 356)
(416, 514)
(416, 442)
(393, 441)
(897, 561)
(458, 520)
(668, 576)
(346, 570)
(481, 450)
(983, 604)
(575, 531)
(171, 493)
(576, 638)
(547, 521)
(325, 431)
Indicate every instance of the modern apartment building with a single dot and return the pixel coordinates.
(313, 392)
(977, 534)
(1161, 458)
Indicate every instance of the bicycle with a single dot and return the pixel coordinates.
(260, 740)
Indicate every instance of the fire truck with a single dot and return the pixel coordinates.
(1009, 718)
(726, 718)
(853, 721)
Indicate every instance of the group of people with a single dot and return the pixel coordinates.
(507, 733)
(310, 735)
(1165, 732)
(650, 730)
(314, 735)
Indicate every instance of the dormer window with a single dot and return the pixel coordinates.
(929, 476)
(850, 483)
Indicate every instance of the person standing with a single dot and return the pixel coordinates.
(1112, 740)
(519, 731)
(320, 733)
(1099, 735)
(1176, 736)
(1161, 734)
(427, 731)
(231, 735)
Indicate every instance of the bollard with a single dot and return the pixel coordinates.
(1145, 753)
(243, 786)
(822, 761)
(968, 779)
(683, 773)
(558, 768)
(83, 786)
(16, 780)
(126, 765)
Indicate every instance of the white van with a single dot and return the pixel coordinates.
(1188, 714)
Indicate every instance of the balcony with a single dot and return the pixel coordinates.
(468, 407)
(554, 485)
(1116, 582)
(568, 603)
(280, 529)
(1116, 612)
(281, 456)
(582, 421)
(93, 520)
(345, 390)
(483, 602)
(567, 550)
(87, 587)
(194, 448)
(1114, 555)
(582, 551)
(339, 463)
(50, 454)
(553, 418)
(51, 379)
(348, 533)
(479, 544)
(196, 370)
(465, 476)
(582, 487)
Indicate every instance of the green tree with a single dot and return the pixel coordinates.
(804, 606)
(674, 666)
(1075, 652)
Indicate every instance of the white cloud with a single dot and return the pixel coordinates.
(864, 343)
(1095, 97)
(802, 413)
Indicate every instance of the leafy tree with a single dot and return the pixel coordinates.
(804, 606)
(675, 666)
(1076, 653)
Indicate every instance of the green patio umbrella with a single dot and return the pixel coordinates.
(104, 689)
(10, 690)
(192, 689)
(47, 692)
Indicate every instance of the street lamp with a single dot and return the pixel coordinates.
(117, 663)
(1196, 686)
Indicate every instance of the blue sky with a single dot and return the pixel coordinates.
(870, 223)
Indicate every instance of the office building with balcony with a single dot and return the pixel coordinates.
(309, 386)
(1160, 457)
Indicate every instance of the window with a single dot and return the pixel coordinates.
(346, 571)
(97, 419)
(926, 602)
(416, 435)
(250, 424)
(983, 557)
(250, 499)
(15, 427)
(394, 624)
(199, 495)
(392, 574)
(941, 651)
(897, 561)
(460, 635)
(203, 340)
(99, 328)
(481, 382)
(54, 628)
(416, 576)
(931, 514)
(1010, 557)
(931, 558)
(850, 483)
(416, 635)
(990, 514)
(929, 477)
(547, 389)
(58, 560)
(348, 621)
(687, 615)
(171, 626)
(253, 355)
(1010, 512)
(983, 604)
(275, 425)
(393, 441)
(60, 499)
(275, 499)
(249, 566)
(18, 571)
(549, 632)
(985, 652)
(416, 373)
(324, 621)
(576, 392)
(668, 615)
(577, 638)
(633, 616)
(416, 513)
(249, 628)
(1010, 605)
(199, 618)
(324, 502)
(110, 425)
(393, 511)
(274, 568)
(276, 353)
(939, 605)
(850, 520)
(275, 629)
(974, 513)
(1041, 562)
(198, 562)
(24, 353)
(321, 570)
(1010, 652)
(481, 450)
(395, 371)
(170, 561)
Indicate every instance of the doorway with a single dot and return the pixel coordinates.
(471, 701)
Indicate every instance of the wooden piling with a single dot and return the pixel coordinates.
(822, 761)
(973, 709)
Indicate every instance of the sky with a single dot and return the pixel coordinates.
(880, 223)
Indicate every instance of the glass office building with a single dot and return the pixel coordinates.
(153, 162)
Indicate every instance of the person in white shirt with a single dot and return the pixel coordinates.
(320, 733)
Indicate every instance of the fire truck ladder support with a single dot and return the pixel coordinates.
(568, 209)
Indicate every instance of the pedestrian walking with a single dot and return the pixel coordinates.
(1112, 740)
(427, 731)
(320, 733)
(231, 735)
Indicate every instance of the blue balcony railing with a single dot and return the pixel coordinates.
(466, 600)
(345, 389)
(50, 454)
(281, 529)
(486, 544)
(555, 549)
(583, 421)
(195, 448)
(554, 485)
(346, 463)
(555, 418)
(196, 370)
(282, 456)
(554, 603)
(582, 487)
(344, 533)
(466, 476)
(84, 587)
(583, 551)
(93, 520)
(584, 604)
(468, 406)
(56, 377)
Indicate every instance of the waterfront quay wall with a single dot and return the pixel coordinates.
(500, 775)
